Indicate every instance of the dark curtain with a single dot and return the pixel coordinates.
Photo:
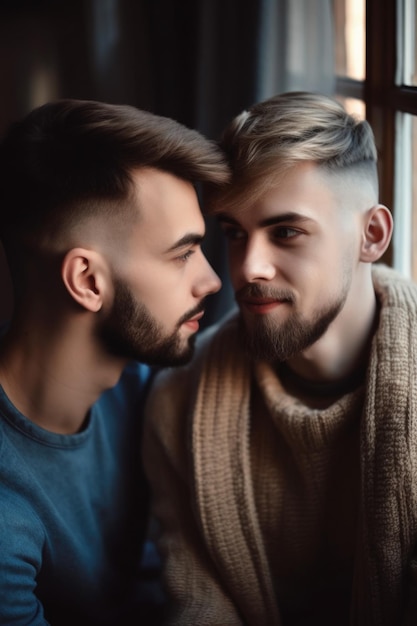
(204, 58)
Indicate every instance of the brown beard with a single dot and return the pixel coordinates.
(268, 340)
(131, 332)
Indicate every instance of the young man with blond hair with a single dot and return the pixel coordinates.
(283, 458)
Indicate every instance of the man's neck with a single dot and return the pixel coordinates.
(53, 378)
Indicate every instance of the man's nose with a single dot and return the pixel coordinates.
(257, 263)
(207, 281)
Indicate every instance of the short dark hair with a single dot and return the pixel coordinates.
(71, 157)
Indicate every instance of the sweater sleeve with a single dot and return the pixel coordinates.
(195, 592)
(21, 541)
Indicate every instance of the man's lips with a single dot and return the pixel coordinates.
(260, 306)
(192, 322)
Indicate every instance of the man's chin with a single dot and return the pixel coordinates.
(173, 356)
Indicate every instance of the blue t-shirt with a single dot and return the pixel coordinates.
(73, 513)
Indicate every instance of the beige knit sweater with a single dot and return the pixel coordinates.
(240, 530)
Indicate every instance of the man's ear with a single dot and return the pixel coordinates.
(377, 232)
(84, 274)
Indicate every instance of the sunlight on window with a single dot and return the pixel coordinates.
(407, 67)
(405, 180)
(350, 40)
(354, 106)
(355, 39)
(414, 195)
(405, 195)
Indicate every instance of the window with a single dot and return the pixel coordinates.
(350, 53)
(376, 67)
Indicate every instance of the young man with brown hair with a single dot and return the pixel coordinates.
(102, 229)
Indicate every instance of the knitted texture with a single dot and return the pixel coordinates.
(222, 465)
(389, 452)
(198, 458)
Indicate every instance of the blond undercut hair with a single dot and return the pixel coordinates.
(261, 143)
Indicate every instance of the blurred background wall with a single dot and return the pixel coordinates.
(198, 61)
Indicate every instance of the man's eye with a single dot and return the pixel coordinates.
(184, 257)
(285, 232)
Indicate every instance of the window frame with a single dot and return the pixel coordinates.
(383, 98)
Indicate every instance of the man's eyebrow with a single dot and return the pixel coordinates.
(290, 217)
(193, 239)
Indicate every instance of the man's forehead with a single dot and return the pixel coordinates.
(307, 191)
(169, 213)
(247, 190)
(290, 200)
